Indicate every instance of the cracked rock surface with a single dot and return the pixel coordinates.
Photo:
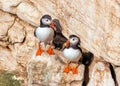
(96, 22)
(100, 74)
(46, 70)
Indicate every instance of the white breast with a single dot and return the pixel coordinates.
(44, 34)
(72, 54)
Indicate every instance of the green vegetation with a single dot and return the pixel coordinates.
(6, 79)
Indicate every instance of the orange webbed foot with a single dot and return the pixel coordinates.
(50, 51)
(67, 69)
(39, 51)
(74, 70)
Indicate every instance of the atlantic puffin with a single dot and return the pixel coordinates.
(59, 38)
(45, 34)
(73, 53)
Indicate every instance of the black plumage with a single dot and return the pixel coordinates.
(87, 58)
(47, 17)
(113, 74)
(59, 38)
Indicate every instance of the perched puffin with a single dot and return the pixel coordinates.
(45, 33)
(59, 38)
(73, 53)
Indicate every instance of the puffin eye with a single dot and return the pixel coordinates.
(73, 39)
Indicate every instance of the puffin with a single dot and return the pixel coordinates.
(73, 53)
(45, 33)
(59, 38)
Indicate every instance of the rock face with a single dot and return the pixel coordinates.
(46, 70)
(96, 22)
(100, 75)
(13, 44)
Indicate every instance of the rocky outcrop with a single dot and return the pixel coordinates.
(100, 74)
(46, 70)
(96, 22)
(16, 40)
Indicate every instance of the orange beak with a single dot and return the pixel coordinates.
(52, 25)
(67, 43)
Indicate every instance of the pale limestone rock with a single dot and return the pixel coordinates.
(29, 13)
(17, 43)
(100, 75)
(6, 21)
(97, 23)
(48, 70)
(13, 35)
(9, 6)
(17, 37)
(7, 61)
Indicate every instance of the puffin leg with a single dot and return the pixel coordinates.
(67, 68)
(74, 69)
(39, 51)
(50, 50)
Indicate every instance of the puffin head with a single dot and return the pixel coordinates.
(46, 21)
(57, 26)
(72, 41)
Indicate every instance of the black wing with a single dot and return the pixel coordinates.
(87, 58)
(59, 40)
(57, 25)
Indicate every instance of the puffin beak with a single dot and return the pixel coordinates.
(52, 25)
(66, 44)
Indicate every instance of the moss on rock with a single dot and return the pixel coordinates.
(6, 79)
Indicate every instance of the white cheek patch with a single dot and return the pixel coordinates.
(46, 22)
(75, 41)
